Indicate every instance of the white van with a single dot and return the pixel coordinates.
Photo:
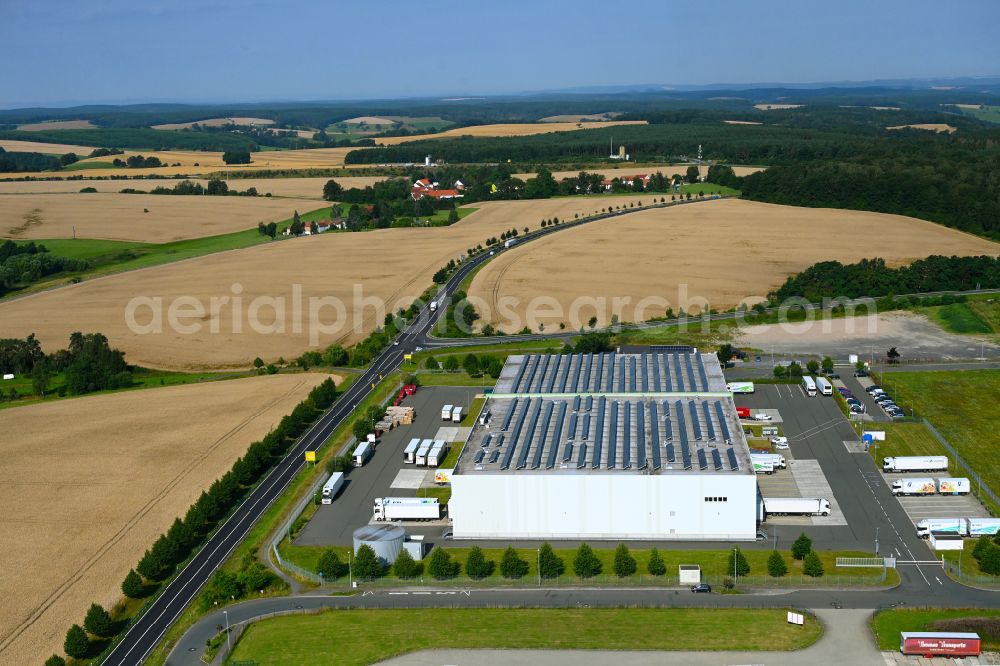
(809, 385)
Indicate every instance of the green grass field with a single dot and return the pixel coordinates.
(349, 638)
(961, 404)
(79, 166)
(887, 624)
(959, 318)
(990, 114)
(905, 439)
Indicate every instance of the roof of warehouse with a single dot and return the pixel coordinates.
(644, 413)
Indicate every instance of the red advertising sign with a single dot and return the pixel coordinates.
(931, 644)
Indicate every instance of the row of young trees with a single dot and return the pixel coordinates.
(585, 563)
(185, 535)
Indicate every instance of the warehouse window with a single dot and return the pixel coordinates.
(716, 499)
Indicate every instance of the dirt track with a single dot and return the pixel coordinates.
(88, 484)
(723, 252)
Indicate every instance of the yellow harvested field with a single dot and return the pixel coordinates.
(394, 265)
(300, 188)
(193, 162)
(14, 145)
(57, 125)
(121, 216)
(969, 106)
(741, 122)
(89, 483)
(776, 107)
(215, 122)
(594, 117)
(515, 129)
(725, 252)
(368, 120)
(933, 127)
(666, 169)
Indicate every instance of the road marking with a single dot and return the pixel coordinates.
(392, 593)
(938, 580)
(421, 593)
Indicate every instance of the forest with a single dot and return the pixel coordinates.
(21, 265)
(871, 277)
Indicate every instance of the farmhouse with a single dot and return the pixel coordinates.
(607, 446)
(631, 181)
(426, 188)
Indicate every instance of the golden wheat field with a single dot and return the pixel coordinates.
(124, 217)
(394, 265)
(215, 122)
(584, 118)
(932, 127)
(513, 129)
(18, 146)
(722, 251)
(57, 125)
(776, 107)
(88, 484)
(298, 188)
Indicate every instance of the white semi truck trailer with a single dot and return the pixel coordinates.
(407, 508)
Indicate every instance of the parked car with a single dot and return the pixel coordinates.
(860, 373)
(701, 587)
(857, 409)
(761, 416)
(873, 388)
(833, 375)
(781, 446)
(898, 416)
(779, 440)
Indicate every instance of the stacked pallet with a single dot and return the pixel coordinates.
(401, 415)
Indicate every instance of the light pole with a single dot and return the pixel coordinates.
(350, 572)
(229, 645)
(876, 539)
(735, 575)
(538, 565)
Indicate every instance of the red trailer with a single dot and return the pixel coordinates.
(743, 412)
(930, 644)
(410, 389)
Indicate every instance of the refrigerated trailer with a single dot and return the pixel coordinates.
(740, 387)
(954, 486)
(410, 452)
(406, 508)
(930, 644)
(422, 451)
(446, 413)
(437, 454)
(776, 460)
(924, 486)
(332, 487)
(456, 414)
(915, 464)
(362, 454)
(824, 386)
(762, 466)
(796, 506)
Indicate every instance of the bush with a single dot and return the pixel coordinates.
(55, 660)
(776, 567)
(405, 566)
(477, 566)
(738, 563)
(441, 566)
(451, 364)
(625, 564)
(366, 565)
(329, 565)
(98, 621)
(550, 565)
(511, 564)
(76, 645)
(656, 566)
(812, 566)
(986, 627)
(132, 586)
(585, 563)
(802, 546)
(431, 363)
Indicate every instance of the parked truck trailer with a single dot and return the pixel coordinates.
(915, 464)
(921, 486)
(407, 508)
(954, 486)
(796, 506)
(332, 487)
(446, 412)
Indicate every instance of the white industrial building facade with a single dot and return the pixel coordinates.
(607, 446)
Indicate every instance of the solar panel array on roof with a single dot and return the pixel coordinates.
(494, 455)
(480, 454)
(585, 433)
(612, 436)
(701, 371)
(702, 459)
(510, 414)
(599, 435)
(694, 420)
(498, 441)
(627, 437)
(733, 463)
(525, 443)
(654, 429)
(539, 442)
(509, 454)
(640, 439)
(554, 440)
(708, 421)
(717, 459)
(722, 422)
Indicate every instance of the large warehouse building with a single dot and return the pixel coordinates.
(607, 446)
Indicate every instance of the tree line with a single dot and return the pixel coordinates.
(87, 364)
(214, 187)
(141, 138)
(871, 277)
(186, 535)
(25, 264)
(585, 564)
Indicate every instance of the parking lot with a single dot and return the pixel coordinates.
(385, 474)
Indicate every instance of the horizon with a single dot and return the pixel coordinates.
(303, 62)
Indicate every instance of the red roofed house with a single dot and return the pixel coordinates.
(425, 188)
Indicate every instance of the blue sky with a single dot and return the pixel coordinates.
(60, 52)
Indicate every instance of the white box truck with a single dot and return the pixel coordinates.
(407, 508)
(437, 454)
(922, 486)
(954, 486)
(915, 464)
(446, 413)
(332, 487)
(425, 448)
(410, 452)
(762, 466)
(362, 454)
(824, 386)
(980, 526)
(796, 506)
(809, 385)
(510, 242)
(740, 387)
(777, 460)
(957, 526)
(456, 415)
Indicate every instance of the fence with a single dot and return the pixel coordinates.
(983, 487)
(286, 528)
(866, 562)
(982, 580)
